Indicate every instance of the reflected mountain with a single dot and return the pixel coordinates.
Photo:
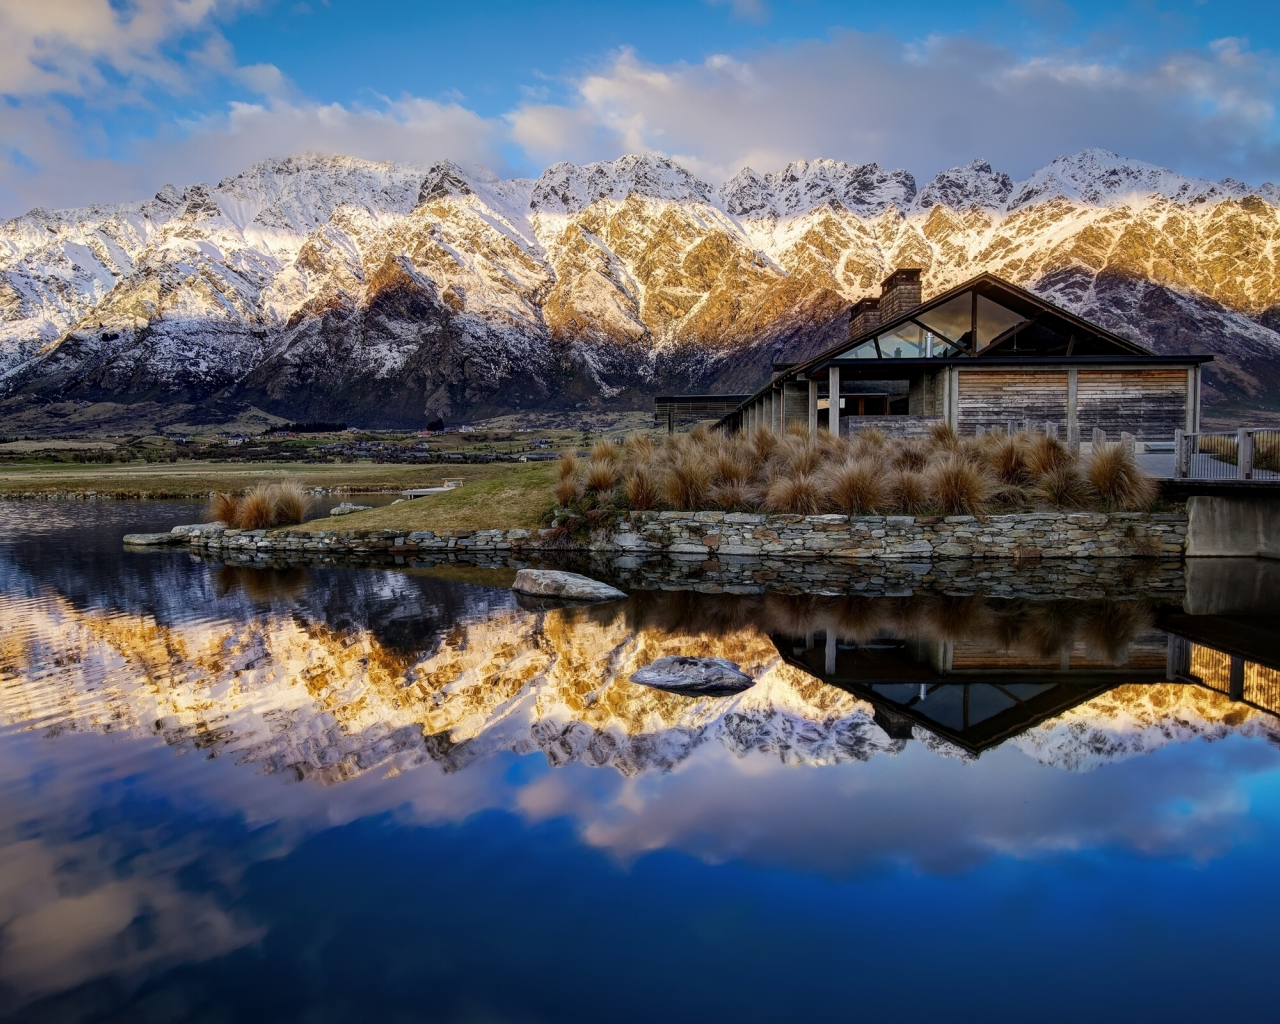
(325, 673)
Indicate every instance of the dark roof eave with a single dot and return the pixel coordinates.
(815, 372)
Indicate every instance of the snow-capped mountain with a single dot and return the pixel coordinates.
(336, 288)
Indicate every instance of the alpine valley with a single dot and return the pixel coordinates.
(381, 294)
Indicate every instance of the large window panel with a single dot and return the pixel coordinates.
(993, 320)
(907, 342)
(953, 319)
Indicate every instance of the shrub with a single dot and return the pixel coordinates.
(907, 492)
(869, 441)
(605, 450)
(641, 487)
(602, 475)
(943, 437)
(257, 509)
(733, 467)
(1063, 486)
(1118, 479)
(957, 487)
(799, 495)
(856, 487)
(568, 490)
(734, 496)
(910, 456)
(1007, 460)
(224, 508)
(568, 466)
(685, 484)
(798, 456)
(640, 447)
(763, 442)
(289, 503)
(1044, 454)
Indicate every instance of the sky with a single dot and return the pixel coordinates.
(107, 100)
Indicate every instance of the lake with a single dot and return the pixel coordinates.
(399, 793)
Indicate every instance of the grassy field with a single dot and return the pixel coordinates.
(503, 495)
(197, 478)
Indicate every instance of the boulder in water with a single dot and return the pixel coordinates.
(346, 508)
(694, 677)
(565, 585)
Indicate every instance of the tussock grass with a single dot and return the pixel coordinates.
(1118, 480)
(289, 503)
(279, 504)
(223, 508)
(257, 509)
(866, 474)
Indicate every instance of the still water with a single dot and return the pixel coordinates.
(396, 794)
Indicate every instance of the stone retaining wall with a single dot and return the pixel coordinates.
(1037, 535)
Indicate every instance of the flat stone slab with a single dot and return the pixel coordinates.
(153, 540)
(565, 585)
(694, 677)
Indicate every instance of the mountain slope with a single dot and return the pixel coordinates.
(330, 287)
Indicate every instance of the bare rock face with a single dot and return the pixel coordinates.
(390, 295)
(552, 583)
(694, 677)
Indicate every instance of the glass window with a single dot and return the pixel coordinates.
(907, 342)
(994, 320)
(953, 319)
(867, 350)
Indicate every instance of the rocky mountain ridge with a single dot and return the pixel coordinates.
(386, 294)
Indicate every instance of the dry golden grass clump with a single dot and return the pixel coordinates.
(281, 504)
(1118, 480)
(867, 474)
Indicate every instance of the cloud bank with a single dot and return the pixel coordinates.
(70, 70)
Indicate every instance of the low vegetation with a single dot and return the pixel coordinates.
(278, 504)
(866, 474)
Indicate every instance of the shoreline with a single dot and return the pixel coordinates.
(711, 535)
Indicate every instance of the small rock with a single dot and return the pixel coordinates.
(569, 585)
(695, 677)
(198, 529)
(346, 508)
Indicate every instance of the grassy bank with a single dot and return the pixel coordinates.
(493, 497)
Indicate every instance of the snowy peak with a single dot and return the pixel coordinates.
(803, 185)
(570, 188)
(1096, 177)
(962, 187)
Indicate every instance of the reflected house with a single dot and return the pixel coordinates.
(984, 355)
(976, 693)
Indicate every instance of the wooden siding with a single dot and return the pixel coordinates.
(1150, 404)
(991, 398)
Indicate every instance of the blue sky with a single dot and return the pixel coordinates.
(104, 100)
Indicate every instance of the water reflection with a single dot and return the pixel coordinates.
(214, 774)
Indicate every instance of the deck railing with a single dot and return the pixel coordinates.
(1249, 453)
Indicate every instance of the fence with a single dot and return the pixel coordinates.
(1245, 454)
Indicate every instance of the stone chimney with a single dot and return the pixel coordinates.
(899, 292)
(863, 317)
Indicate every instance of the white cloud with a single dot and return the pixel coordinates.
(922, 106)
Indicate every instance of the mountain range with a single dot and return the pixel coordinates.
(382, 294)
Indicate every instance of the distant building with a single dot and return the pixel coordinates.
(984, 355)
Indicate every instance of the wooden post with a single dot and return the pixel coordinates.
(1235, 679)
(830, 653)
(1244, 454)
(1181, 455)
(813, 408)
(833, 400)
(1051, 429)
(1099, 438)
(1073, 423)
(1128, 442)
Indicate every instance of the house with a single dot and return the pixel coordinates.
(984, 355)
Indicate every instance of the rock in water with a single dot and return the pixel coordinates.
(153, 540)
(346, 508)
(567, 585)
(695, 677)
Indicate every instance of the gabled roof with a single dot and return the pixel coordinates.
(1037, 330)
